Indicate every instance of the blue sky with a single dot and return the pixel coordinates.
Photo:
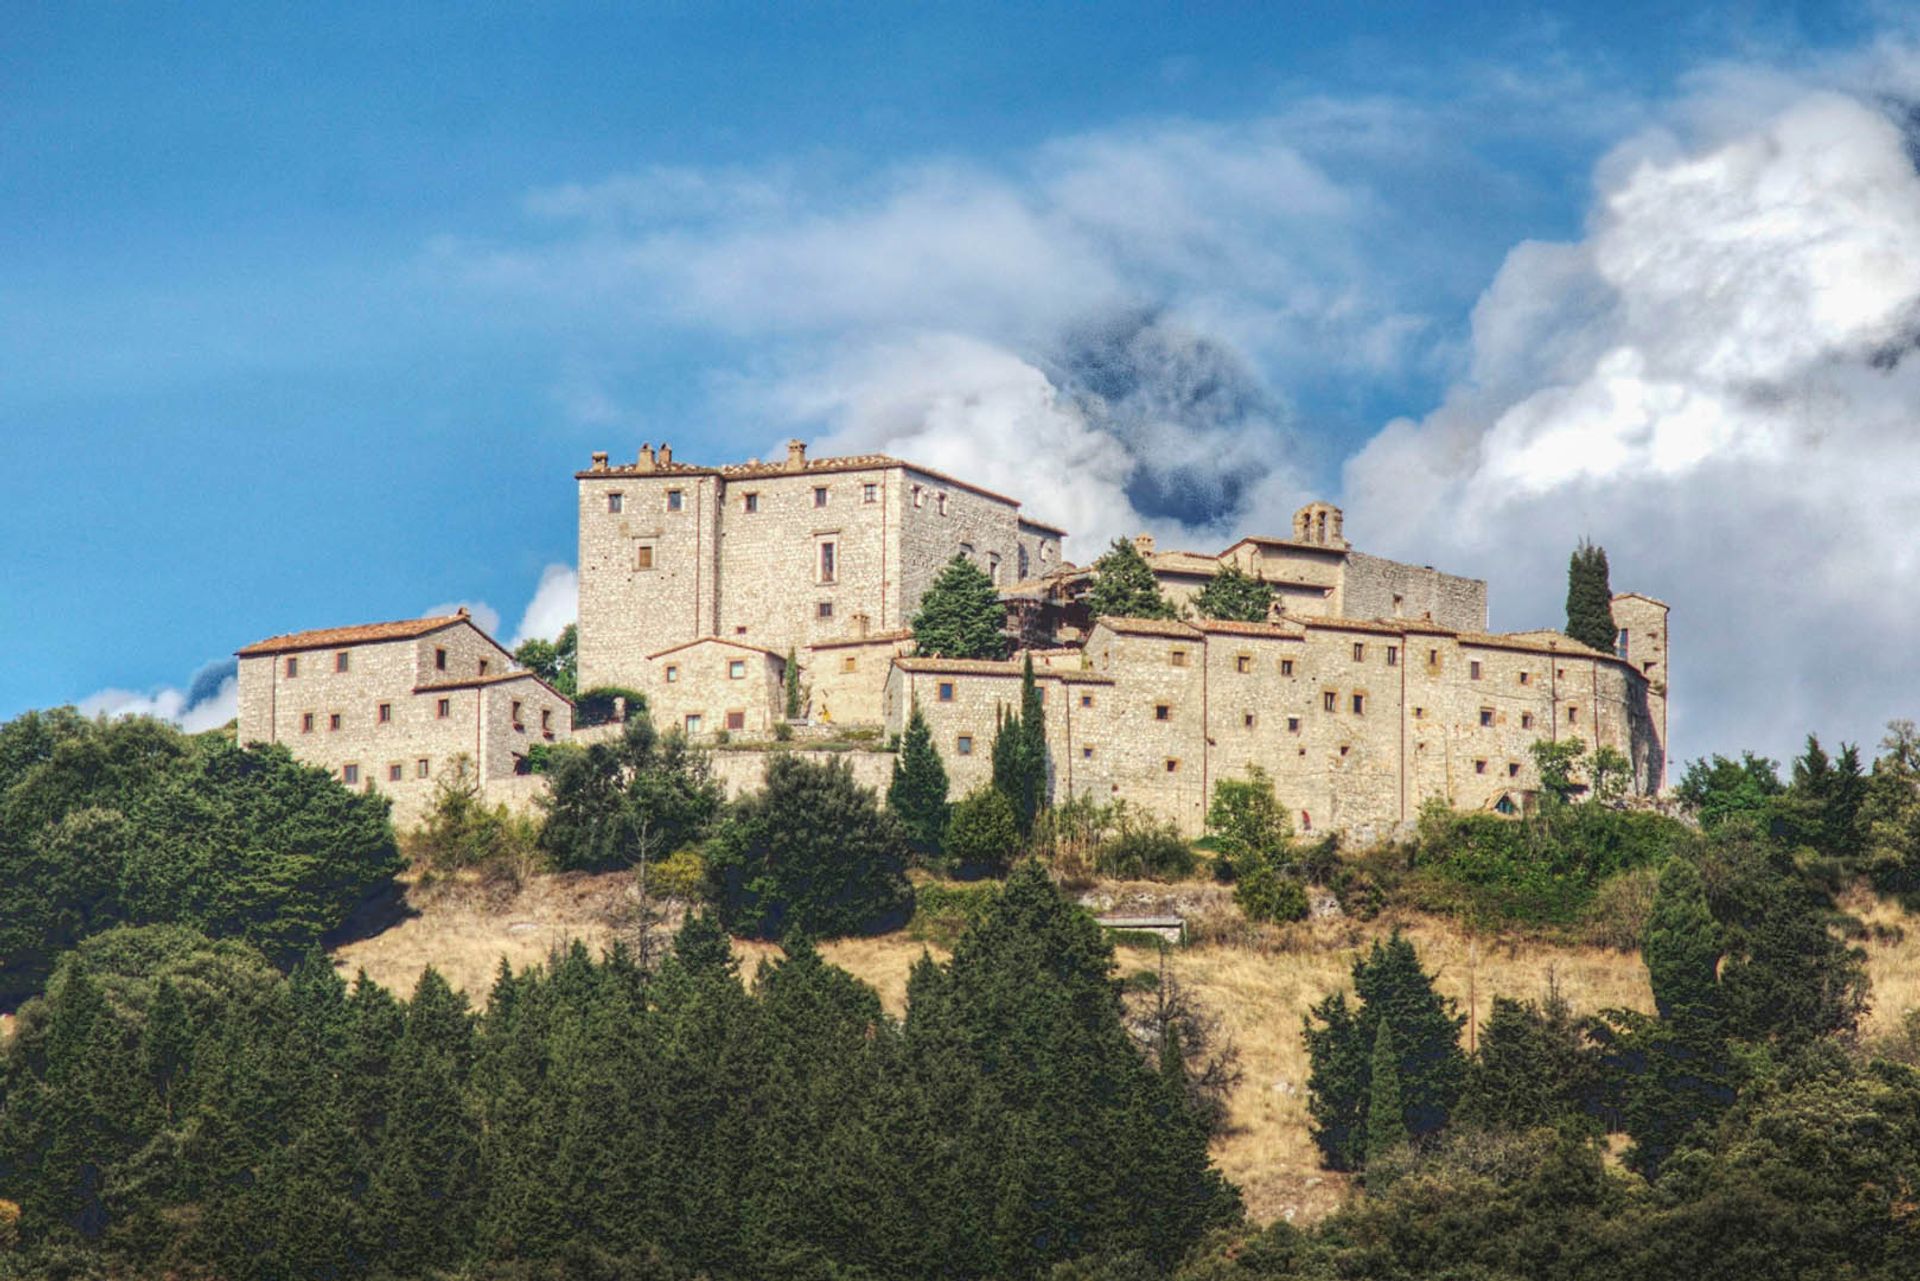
(308, 322)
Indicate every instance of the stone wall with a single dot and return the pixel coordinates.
(629, 610)
(743, 771)
(845, 681)
(729, 686)
(1378, 588)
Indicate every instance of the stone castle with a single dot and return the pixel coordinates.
(1372, 687)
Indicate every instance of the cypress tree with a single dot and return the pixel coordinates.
(792, 672)
(1124, 586)
(960, 616)
(1009, 758)
(1033, 751)
(1682, 946)
(918, 792)
(1590, 599)
(1386, 1123)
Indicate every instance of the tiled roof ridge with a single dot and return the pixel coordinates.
(357, 634)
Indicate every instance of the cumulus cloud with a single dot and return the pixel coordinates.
(1715, 383)
(210, 700)
(484, 616)
(555, 603)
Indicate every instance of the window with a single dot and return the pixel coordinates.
(946, 691)
(643, 556)
(993, 567)
(1359, 704)
(1345, 748)
(514, 716)
(849, 664)
(385, 715)
(823, 610)
(1329, 700)
(293, 667)
(750, 503)
(1293, 724)
(1286, 667)
(340, 661)
(546, 720)
(674, 500)
(1022, 562)
(736, 720)
(693, 723)
(440, 660)
(942, 500)
(1359, 652)
(739, 631)
(1526, 678)
(445, 709)
(1173, 765)
(869, 493)
(1479, 767)
(1513, 769)
(1433, 658)
(1243, 663)
(350, 774)
(966, 549)
(1086, 700)
(673, 673)
(306, 722)
(1473, 670)
(1526, 720)
(1177, 657)
(483, 667)
(826, 562)
(396, 772)
(614, 503)
(421, 769)
(1573, 714)
(1163, 711)
(964, 745)
(1419, 713)
(1246, 720)
(1486, 716)
(919, 497)
(333, 721)
(1086, 753)
(736, 669)
(1620, 643)
(819, 495)
(1393, 656)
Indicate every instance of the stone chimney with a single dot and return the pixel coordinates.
(860, 625)
(665, 457)
(796, 455)
(1143, 543)
(645, 462)
(599, 460)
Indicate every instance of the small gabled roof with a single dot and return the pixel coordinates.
(893, 637)
(1651, 600)
(718, 640)
(495, 678)
(363, 634)
(1148, 627)
(1289, 630)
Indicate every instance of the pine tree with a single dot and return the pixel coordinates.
(1682, 946)
(1386, 1124)
(918, 793)
(960, 615)
(1235, 596)
(1124, 586)
(1590, 599)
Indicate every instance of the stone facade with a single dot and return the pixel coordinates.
(705, 686)
(389, 707)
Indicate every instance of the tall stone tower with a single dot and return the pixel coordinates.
(1642, 642)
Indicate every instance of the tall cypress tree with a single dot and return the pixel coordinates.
(792, 686)
(1590, 599)
(918, 792)
(1386, 1122)
(1682, 946)
(1033, 739)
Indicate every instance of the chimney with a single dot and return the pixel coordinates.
(599, 460)
(665, 457)
(646, 458)
(796, 455)
(860, 623)
(1143, 543)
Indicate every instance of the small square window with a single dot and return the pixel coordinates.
(1359, 652)
(1086, 700)
(1526, 678)
(1286, 667)
(869, 493)
(693, 723)
(1178, 657)
(421, 769)
(736, 669)
(1419, 713)
(1393, 656)
(340, 661)
(1479, 767)
(1513, 769)
(750, 503)
(946, 691)
(819, 495)
(1526, 720)
(483, 667)
(736, 720)
(396, 772)
(673, 673)
(674, 500)
(1293, 724)
(1162, 711)
(306, 722)
(1345, 748)
(823, 610)
(445, 709)
(1473, 670)
(615, 502)
(440, 660)
(293, 668)
(1246, 720)
(643, 556)
(1329, 700)
(333, 721)
(1486, 716)
(1086, 753)
(350, 774)
(1573, 714)
(964, 745)
(385, 716)
(1173, 765)
(1243, 663)
(1359, 704)
(849, 664)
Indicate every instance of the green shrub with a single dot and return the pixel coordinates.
(595, 707)
(681, 875)
(1144, 848)
(462, 832)
(782, 732)
(982, 831)
(1267, 894)
(942, 913)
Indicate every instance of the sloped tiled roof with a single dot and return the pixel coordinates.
(989, 667)
(776, 468)
(718, 640)
(494, 678)
(1148, 627)
(1284, 631)
(363, 634)
(873, 638)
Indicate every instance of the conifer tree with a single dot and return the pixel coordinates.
(1234, 595)
(1124, 586)
(960, 615)
(1590, 599)
(1033, 753)
(918, 792)
(791, 672)
(1682, 946)
(1386, 1124)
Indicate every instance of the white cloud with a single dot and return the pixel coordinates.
(484, 616)
(555, 603)
(193, 710)
(1716, 383)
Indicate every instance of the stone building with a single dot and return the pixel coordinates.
(392, 706)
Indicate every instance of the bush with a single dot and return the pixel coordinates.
(1144, 848)
(812, 854)
(595, 707)
(1069, 836)
(1250, 827)
(983, 834)
(612, 802)
(782, 732)
(462, 833)
(681, 875)
(1267, 894)
(942, 913)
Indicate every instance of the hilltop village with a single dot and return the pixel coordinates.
(1372, 686)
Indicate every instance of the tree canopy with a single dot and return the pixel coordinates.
(960, 615)
(1124, 586)
(1234, 595)
(1590, 599)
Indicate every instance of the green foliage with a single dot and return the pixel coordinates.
(1249, 825)
(810, 854)
(1890, 814)
(596, 706)
(460, 831)
(1534, 1067)
(1386, 1124)
(960, 615)
(942, 913)
(917, 796)
(611, 800)
(790, 686)
(1020, 754)
(681, 875)
(131, 821)
(1236, 596)
(1124, 586)
(983, 833)
(1717, 789)
(1682, 948)
(1340, 1041)
(1268, 894)
(556, 661)
(1590, 599)
(1139, 846)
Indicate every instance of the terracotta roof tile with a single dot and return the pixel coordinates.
(495, 678)
(987, 667)
(1231, 627)
(364, 634)
(875, 638)
(717, 640)
(1147, 627)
